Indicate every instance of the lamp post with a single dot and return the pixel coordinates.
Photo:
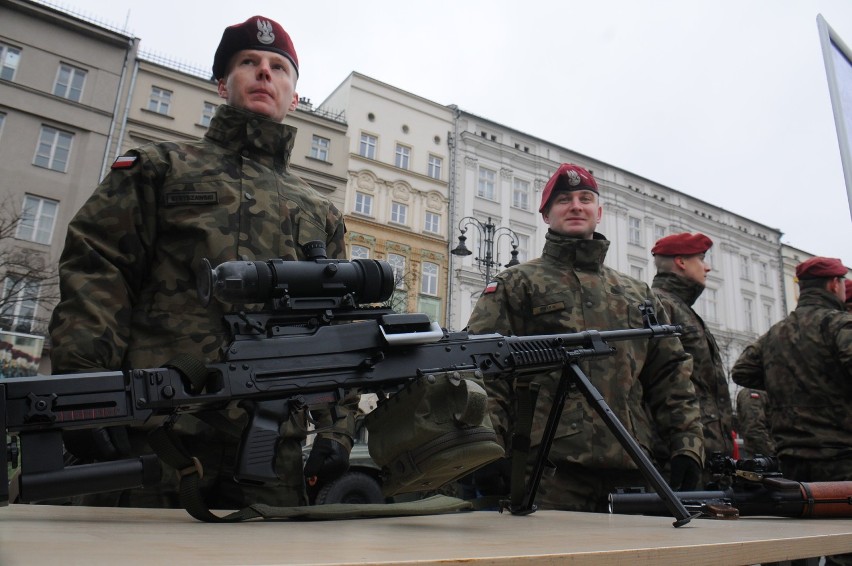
(487, 256)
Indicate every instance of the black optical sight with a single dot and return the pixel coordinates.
(317, 281)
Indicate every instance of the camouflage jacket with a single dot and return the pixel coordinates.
(753, 426)
(804, 363)
(678, 294)
(128, 289)
(569, 289)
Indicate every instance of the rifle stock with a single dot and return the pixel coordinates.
(752, 493)
(277, 359)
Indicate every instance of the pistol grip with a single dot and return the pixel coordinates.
(256, 455)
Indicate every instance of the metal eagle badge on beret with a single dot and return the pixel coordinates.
(264, 32)
(573, 178)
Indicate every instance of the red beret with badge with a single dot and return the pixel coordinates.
(682, 244)
(257, 33)
(568, 177)
(820, 268)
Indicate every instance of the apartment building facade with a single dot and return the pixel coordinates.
(62, 82)
(397, 201)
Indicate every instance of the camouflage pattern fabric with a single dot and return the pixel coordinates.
(678, 294)
(753, 424)
(569, 289)
(804, 363)
(128, 289)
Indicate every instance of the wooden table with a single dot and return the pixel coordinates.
(40, 534)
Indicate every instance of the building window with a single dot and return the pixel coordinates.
(319, 147)
(764, 273)
(637, 272)
(399, 213)
(659, 232)
(20, 301)
(485, 186)
(37, 220)
(634, 230)
(160, 100)
(748, 313)
(9, 59)
(403, 155)
(359, 252)
(368, 146)
(435, 165)
(523, 248)
(54, 147)
(432, 223)
(207, 114)
(397, 263)
(364, 204)
(431, 307)
(520, 194)
(429, 278)
(745, 268)
(69, 82)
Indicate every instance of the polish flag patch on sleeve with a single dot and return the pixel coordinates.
(124, 162)
(490, 288)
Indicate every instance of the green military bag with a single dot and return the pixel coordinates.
(433, 431)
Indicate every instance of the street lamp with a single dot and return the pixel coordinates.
(487, 255)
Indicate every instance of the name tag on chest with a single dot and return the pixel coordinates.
(184, 198)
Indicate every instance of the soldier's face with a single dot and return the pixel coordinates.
(574, 213)
(693, 267)
(262, 82)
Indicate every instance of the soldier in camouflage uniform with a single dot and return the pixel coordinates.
(128, 289)
(568, 289)
(804, 364)
(849, 295)
(680, 280)
(753, 424)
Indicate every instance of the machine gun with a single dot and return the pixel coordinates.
(757, 488)
(310, 345)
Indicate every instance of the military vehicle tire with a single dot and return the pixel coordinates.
(352, 487)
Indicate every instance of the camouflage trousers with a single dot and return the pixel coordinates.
(578, 488)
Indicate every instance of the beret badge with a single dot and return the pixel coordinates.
(264, 32)
(573, 178)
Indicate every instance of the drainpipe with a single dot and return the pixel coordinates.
(106, 160)
(452, 142)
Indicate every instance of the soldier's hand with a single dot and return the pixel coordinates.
(329, 459)
(686, 473)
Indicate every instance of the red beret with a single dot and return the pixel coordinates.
(258, 33)
(849, 290)
(568, 178)
(682, 244)
(820, 267)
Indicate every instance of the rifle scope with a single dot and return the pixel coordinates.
(359, 281)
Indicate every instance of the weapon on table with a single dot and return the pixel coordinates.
(310, 345)
(756, 488)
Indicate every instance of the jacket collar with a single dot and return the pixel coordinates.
(585, 254)
(252, 135)
(819, 298)
(685, 289)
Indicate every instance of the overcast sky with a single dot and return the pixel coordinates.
(725, 100)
